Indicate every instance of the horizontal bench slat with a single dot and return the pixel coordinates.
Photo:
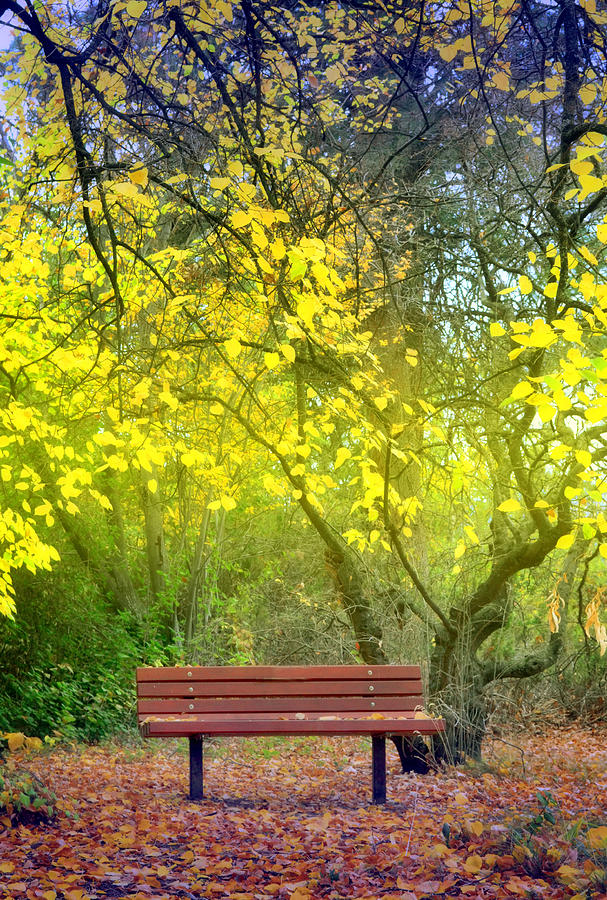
(371, 703)
(279, 689)
(286, 717)
(243, 727)
(275, 673)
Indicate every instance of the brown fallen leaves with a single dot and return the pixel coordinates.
(291, 819)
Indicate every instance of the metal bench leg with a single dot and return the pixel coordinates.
(196, 741)
(379, 768)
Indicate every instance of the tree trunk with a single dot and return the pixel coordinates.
(458, 679)
(348, 584)
(456, 683)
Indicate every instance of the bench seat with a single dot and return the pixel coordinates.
(193, 702)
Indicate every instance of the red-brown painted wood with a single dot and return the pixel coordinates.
(264, 705)
(275, 673)
(282, 700)
(282, 717)
(242, 727)
(279, 689)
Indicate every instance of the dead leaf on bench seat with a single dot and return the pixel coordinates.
(419, 714)
(327, 718)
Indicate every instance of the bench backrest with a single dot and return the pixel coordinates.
(277, 690)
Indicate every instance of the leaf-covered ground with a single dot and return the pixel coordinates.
(293, 819)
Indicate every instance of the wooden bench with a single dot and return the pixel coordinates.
(380, 701)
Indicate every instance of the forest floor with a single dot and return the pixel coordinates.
(292, 820)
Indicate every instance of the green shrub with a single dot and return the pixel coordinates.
(74, 705)
(23, 797)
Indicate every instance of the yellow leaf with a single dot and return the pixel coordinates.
(125, 189)
(597, 837)
(381, 402)
(228, 502)
(278, 249)
(236, 168)
(565, 542)
(306, 307)
(232, 347)
(342, 455)
(449, 52)
(473, 864)
(167, 398)
(567, 872)
(508, 506)
(590, 184)
(399, 25)
(520, 390)
(590, 257)
(471, 534)
(501, 81)
(562, 400)
(546, 412)
(496, 330)
(581, 166)
(241, 218)
(139, 176)
(476, 828)
(587, 93)
(524, 285)
(15, 739)
(288, 352)
(136, 8)
(271, 360)
(152, 485)
(459, 550)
